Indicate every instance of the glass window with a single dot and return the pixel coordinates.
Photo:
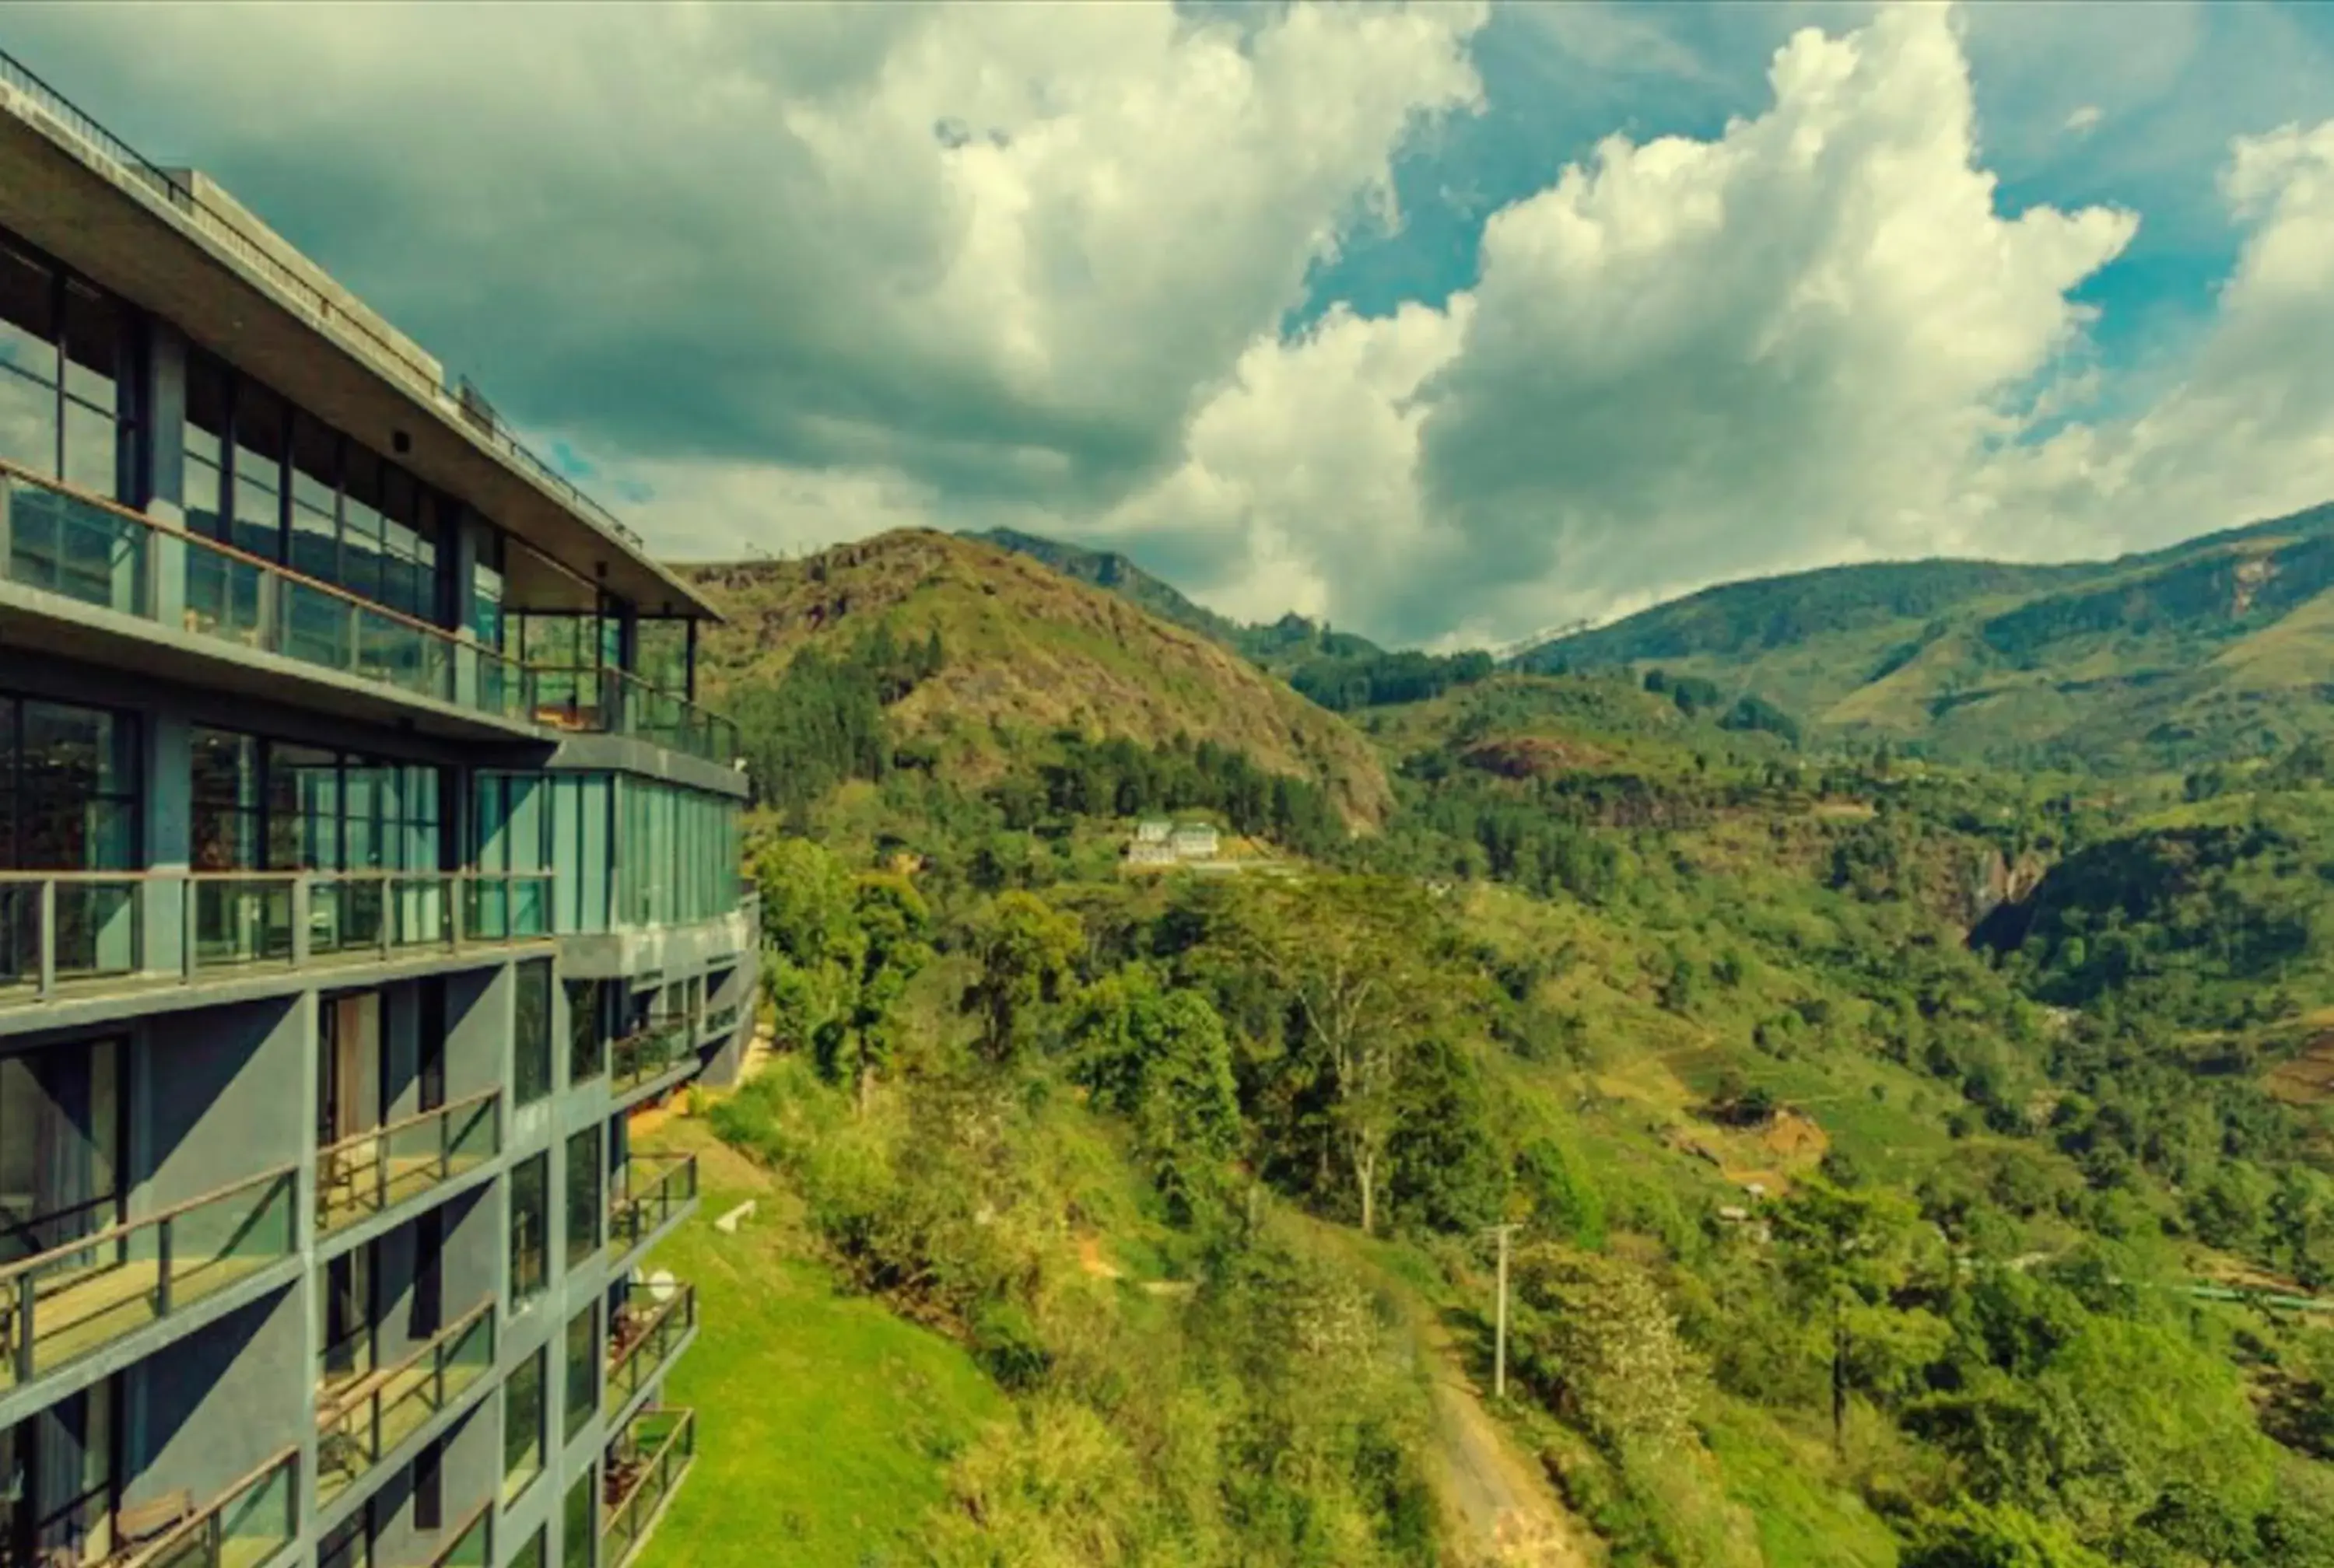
(530, 1228)
(579, 1538)
(523, 1424)
(360, 523)
(584, 1201)
(531, 1554)
(205, 445)
(259, 446)
(60, 1135)
(587, 1038)
(28, 361)
(430, 1486)
(581, 1396)
(226, 801)
(70, 787)
(315, 500)
(304, 808)
(531, 1033)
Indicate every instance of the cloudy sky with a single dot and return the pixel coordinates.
(1448, 322)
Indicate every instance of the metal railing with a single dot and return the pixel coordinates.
(648, 1191)
(373, 1171)
(640, 1344)
(86, 1293)
(95, 551)
(655, 1453)
(61, 929)
(355, 1434)
(246, 1526)
(425, 377)
(654, 1049)
(601, 699)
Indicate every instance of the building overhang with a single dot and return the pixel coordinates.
(190, 263)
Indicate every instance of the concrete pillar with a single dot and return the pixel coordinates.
(164, 482)
(168, 831)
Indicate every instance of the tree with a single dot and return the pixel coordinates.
(1025, 951)
(1598, 1341)
(1162, 1058)
(1844, 1253)
(893, 921)
(811, 942)
(1349, 953)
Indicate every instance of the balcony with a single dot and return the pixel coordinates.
(650, 1190)
(468, 1545)
(73, 1300)
(373, 1171)
(642, 1343)
(361, 1427)
(98, 552)
(79, 933)
(601, 699)
(246, 1526)
(650, 1052)
(643, 1471)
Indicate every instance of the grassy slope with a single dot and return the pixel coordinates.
(1028, 652)
(827, 1423)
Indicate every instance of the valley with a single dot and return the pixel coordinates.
(1867, 1113)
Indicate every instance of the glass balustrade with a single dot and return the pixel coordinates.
(643, 1468)
(64, 1303)
(373, 1171)
(356, 1432)
(642, 1337)
(649, 1189)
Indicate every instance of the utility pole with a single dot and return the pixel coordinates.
(1499, 1340)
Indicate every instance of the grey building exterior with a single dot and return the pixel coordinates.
(364, 864)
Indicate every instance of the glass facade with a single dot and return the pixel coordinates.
(278, 484)
(67, 405)
(531, 1033)
(625, 852)
(581, 1396)
(263, 804)
(530, 1228)
(583, 1197)
(69, 787)
(523, 1423)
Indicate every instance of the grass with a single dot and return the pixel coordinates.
(825, 1424)
(1779, 1477)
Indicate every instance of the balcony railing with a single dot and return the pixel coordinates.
(650, 1460)
(641, 1344)
(69, 1301)
(96, 552)
(473, 1543)
(73, 930)
(654, 1049)
(356, 1432)
(373, 1171)
(648, 1191)
(246, 1526)
(604, 700)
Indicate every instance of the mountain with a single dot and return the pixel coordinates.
(2221, 646)
(1025, 653)
(1109, 570)
(1336, 669)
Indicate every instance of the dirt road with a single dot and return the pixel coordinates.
(1500, 1504)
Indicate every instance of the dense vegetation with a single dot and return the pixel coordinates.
(1910, 1164)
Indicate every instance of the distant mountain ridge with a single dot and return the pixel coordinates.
(2219, 646)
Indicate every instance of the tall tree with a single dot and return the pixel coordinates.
(1024, 949)
(1844, 1253)
(1350, 953)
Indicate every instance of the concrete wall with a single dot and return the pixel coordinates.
(469, 1269)
(204, 1416)
(216, 1096)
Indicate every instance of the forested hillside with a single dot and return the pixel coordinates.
(1910, 1164)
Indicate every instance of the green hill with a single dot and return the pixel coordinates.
(983, 662)
(2223, 646)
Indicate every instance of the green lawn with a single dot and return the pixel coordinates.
(824, 1424)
